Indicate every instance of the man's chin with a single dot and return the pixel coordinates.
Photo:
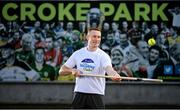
(95, 46)
(115, 62)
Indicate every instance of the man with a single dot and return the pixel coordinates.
(154, 60)
(46, 72)
(26, 52)
(109, 43)
(117, 62)
(141, 51)
(15, 69)
(69, 31)
(53, 56)
(125, 47)
(163, 42)
(15, 40)
(105, 31)
(116, 31)
(145, 29)
(92, 60)
(154, 32)
(124, 27)
(37, 25)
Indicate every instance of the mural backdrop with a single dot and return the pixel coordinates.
(37, 37)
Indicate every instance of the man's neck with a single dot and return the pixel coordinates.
(124, 45)
(154, 62)
(10, 61)
(91, 49)
(39, 66)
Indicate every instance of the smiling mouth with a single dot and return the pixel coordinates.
(95, 43)
(153, 58)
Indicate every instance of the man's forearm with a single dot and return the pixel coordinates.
(65, 70)
(110, 71)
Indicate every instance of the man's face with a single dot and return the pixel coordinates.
(37, 24)
(106, 26)
(110, 38)
(162, 25)
(114, 26)
(116, 57)
(94, 38)
(39, 56)
(173, 32)
(162, 38)
(69, 26)
(6, 53)
(135, 25)
(14, 24)
(155, 29)
(154, 55)
(16, 35)
(123, 39)
(27, 44)
(144, 25)
(124, 24)
(143, 49)
(49, 43)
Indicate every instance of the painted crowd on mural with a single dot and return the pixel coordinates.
(35, 51)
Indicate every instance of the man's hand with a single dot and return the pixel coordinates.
(76, 72)
(64, 70)
(116, 77)
(111, 72)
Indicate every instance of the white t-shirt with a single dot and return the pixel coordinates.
(15, 73)
(92, 63)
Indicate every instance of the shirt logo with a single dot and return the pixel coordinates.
(87, 65)
(168, 70)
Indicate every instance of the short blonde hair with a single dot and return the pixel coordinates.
(96, 29)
